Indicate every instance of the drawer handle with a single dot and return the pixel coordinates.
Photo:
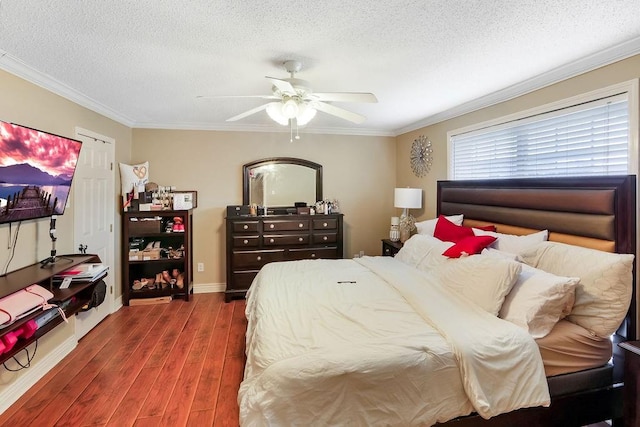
(259, 258)
(300, 239)
(271, 240)
(325, 238)
(313, 255)
(300, 225)
(271, 225)
(245, 226)
(245, 241)
(325, 224)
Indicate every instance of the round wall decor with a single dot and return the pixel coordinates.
(421, 156)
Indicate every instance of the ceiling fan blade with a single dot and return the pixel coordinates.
(283, 85)
(345, 96)
(339, 112)
(250, 112)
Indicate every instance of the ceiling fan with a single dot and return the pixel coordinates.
(293, 99)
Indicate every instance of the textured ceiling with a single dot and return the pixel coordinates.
(145, 62)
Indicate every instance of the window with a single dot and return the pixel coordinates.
(586, 138)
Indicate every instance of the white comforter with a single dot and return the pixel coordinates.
(376, 342)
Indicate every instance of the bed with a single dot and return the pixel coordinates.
(359, 342)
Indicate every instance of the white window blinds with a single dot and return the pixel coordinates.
(587, 139)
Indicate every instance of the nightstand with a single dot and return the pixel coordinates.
(631, 383)
(390, 248)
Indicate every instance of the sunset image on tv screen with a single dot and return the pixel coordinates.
(36, 172)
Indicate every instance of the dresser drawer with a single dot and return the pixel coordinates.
(246, 241)
(245, 226)
(325, 238)
(313, 253)
(325, 224)
(242, 279)
(285, 239)
(255, 259)
(285, 225)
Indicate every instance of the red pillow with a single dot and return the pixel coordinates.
(447, 231)
(489, 227)
(469, 246)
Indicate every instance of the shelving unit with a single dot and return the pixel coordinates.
(78, 294)
(168, 250)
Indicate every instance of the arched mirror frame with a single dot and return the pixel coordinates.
(246, 181)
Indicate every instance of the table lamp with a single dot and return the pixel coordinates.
(407, 198)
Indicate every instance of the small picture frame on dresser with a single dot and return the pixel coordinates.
(185, 200)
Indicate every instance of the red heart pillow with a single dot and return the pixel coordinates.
(469, 246)
(447, 231)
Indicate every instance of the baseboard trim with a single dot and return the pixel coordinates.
(205, 288)
(11, 393)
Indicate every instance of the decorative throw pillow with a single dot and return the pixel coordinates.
(484, 280)
(469, 246)
(423, 249)
(447, 231)
(427, 227)
(603, 294)
(539, 300)
(132, 177)
(513, 243)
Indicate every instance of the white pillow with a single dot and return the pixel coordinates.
(423, 249)
(512, 243)
(539, 300)
(132, 177)
(483, 280)
(604, 291)
(500, 254)
(427, 227)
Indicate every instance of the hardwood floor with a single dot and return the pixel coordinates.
(177, 364)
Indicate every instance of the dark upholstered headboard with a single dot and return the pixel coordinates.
(595, 212)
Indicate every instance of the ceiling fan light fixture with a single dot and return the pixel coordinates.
(305, 115)
(290, 109)
(274, 110)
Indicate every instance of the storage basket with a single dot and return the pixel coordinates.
(146, 225)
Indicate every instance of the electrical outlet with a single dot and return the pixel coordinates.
(201, 266)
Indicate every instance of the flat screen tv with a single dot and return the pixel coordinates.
(36, 171)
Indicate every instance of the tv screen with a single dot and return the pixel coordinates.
(36, 171)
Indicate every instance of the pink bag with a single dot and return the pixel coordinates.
(22, 303)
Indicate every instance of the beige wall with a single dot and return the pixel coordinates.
(615, 73)
(358, 171)
(27, 104)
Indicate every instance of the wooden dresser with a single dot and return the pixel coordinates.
(253, 241)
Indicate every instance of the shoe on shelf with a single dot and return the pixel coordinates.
(180, 281)
(137, 285)
(149, 283)
(156, 245)
(166, 276)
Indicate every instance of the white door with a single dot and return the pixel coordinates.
(93, 213)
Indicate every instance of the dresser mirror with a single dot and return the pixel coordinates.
(281, 182)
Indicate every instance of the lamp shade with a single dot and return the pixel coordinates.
(410, 198)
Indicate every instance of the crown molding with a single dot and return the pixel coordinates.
(22, 70)
(575, 68)
(265, 128)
